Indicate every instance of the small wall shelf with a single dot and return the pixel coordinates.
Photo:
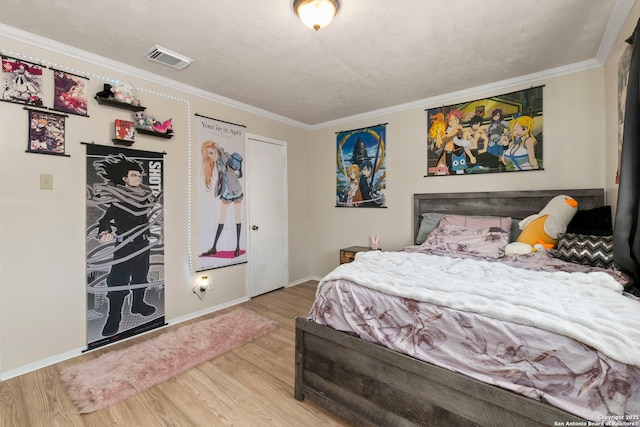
(113, 103)
(153, 133)
(122, 142)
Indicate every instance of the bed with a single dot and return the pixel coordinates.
(370, 384)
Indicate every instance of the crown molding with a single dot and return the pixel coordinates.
(439, 100)
(100, 61)
(616, 22)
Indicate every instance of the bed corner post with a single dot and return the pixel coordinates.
(298, 393)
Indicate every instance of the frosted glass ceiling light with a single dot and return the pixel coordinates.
(316, 14)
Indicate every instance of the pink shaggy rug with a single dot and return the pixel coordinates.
(117, 375)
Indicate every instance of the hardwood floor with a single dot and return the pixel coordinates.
(250, 386)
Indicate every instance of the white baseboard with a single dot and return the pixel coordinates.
(40, 364)
(303, 280)
(77, 352)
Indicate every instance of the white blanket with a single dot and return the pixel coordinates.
(588, 307)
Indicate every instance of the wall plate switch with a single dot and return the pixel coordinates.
(46, 181)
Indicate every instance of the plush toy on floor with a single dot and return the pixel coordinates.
(540, 231)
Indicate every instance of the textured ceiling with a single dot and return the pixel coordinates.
(376, 54)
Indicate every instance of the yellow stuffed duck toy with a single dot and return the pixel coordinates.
(540, 231)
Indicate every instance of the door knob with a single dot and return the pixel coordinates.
(254, 227)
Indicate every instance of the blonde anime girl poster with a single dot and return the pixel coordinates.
(221, 194)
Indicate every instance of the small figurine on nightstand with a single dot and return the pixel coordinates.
(374, 242)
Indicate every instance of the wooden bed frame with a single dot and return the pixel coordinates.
(369, 384)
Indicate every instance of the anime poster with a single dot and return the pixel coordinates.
(46, 133)
(125, 132)
(125, 248)
(221, 197)
(70, 93)
(21, 81)
(361, 168)
(497, 134)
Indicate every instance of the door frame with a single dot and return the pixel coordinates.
(285, 189)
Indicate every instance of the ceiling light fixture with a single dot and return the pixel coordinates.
(316, 14)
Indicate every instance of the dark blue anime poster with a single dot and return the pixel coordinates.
(125, 246)
(361, 171)
(496, 134)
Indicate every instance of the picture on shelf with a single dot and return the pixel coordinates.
(21, 81)
(70, 93)
(124, 131)
(46, 132)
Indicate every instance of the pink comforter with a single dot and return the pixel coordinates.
(535, 363)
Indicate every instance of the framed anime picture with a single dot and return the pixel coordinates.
(70, 93)
(125, 132)
(46, 133)
(21, 81)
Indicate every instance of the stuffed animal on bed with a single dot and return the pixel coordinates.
(540, 231)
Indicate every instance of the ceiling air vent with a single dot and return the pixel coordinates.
(168, 57)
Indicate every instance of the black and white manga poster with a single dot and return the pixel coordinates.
(125, 248)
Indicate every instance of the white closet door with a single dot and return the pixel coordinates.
(267, 220)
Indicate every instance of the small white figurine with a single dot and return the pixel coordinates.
(374, 242)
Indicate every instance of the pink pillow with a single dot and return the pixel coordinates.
(453, 239)
(477, 222)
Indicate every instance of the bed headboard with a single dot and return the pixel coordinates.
(516, 204)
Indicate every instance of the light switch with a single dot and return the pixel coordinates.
(46, 181)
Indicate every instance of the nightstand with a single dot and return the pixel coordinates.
(348, 254)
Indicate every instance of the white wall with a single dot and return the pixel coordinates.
(574, 153)
(42, 237)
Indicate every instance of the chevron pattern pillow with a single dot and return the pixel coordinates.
(596, 251)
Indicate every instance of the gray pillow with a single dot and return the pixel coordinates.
(428, 223)
(515, 230)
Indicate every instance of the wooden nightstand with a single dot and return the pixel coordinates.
(348, 254)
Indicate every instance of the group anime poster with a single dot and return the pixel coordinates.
(361, 167)
(125, 248)
(221, 194)
(496, 134)
(70, 93)
(21, 82)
